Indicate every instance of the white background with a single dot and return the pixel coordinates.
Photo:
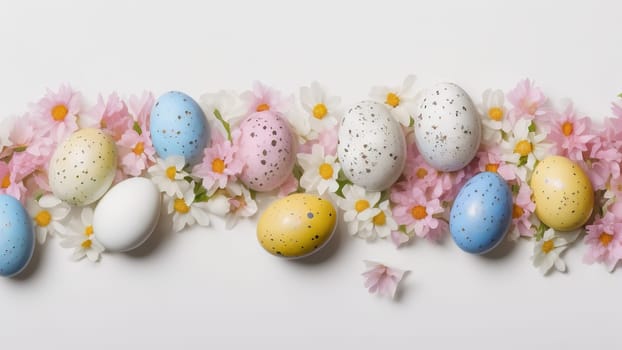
(210, 286)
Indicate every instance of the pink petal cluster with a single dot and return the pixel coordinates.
(570, 135)
(327, 138)
(57, 113)
(382, 279)
(522, 210)
(604, 241)
(220, 163)
(528, 101)
(263, 98)
(419, 212)
(111, 115)
(135, 147)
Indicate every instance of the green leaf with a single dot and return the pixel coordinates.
(137, 128)
(540, 231)
(532, 127)
(620, 95)
(200, 193)
(223, 122)
(523, 160)
(515, 188)
(20, 149)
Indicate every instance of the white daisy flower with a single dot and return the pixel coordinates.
(381, 225)
(321, 108)
(401, 100)
(168, 174)
(494, 118)
(187, 212)
(547, 251)
(47, 215)
(524, 147)
(227, 105)
(241, 204)
(359, 207)
(320, 171)
(79, 235)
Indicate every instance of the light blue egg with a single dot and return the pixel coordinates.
(481, 214)
(17, 239)
(178, 127)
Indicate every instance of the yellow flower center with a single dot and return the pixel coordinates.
(87, 244)
(380, 219)
(421, 173)
(218, 166)
(492, 167)
(263, 107)
(88, 231)
(326, 171)
(43, 218)
(139, 148)
(567, 128)
(320, 111)
(392, 99)
(531, 109)
(181, 206)
(419, 212)
(523, 148)
(605, 238)
(495, 113)
(59, 112)
(171, 172)
(361, 205)
(517, 212)
(6, 181)
(547, 246)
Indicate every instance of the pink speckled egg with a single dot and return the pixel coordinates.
(267, 145)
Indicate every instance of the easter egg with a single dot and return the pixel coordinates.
(481, 213)
(267, 145)
(17, 238)
(563, 193)
(127, 215)
(83, 167)
(372, 146)
(447, 128)
(297, 225)
(178, 127)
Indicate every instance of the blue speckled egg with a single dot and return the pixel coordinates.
(17, 239)
(178, 127)
(481, 214)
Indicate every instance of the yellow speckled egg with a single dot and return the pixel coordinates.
(83, 167)
(297, 225)
(563, 193)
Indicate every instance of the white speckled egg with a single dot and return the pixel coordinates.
(83, 167)
(372, 146)
(447, 128)
(127, 214)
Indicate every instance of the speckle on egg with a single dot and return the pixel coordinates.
(17, 241)
(371, 147)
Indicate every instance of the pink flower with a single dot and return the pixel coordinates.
(327, 138)
(382, 279)
(220, 163)
(57, 112)
(32, 148)
(111, 115)
(528, 100)
(570, 135)
(137, 152)
(263, 98)
(604, 239)
(606, 157)
(10, 181)
(398, 238)
(490, 160)
(140, 108)
(413, 209)
(522, 209)
(289, 186)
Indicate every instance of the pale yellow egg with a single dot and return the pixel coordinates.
(563, 193)
(297, 225)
